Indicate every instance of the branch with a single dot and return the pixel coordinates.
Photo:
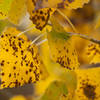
(85, 37)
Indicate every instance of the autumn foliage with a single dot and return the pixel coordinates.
(52, 44)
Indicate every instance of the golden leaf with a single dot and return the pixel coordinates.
(17, 11)
(19, 63)
(39, 16)
(88, 84)
(62, 50)
(93, 53)
(4, 8)
(18, 97)
(72, 4)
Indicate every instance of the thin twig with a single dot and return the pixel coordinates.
(39, 43)
(25, 31)
(97, 65)
(73, 27)
(85, 37)
(37, 38)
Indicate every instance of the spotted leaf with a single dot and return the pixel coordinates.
(88, 84)
(19, 63)
(93, 53)
(62, 50)
(72, 4)
(39, 17)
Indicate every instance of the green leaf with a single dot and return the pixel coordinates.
(55, 91)
(3, 24)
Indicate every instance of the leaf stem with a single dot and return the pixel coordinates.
(25, 31)
(73, 27)
(41, 42)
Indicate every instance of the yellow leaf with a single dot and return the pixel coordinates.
(62, 51)
(19, 63)
(39, 17)
(30, 6)
(56, 72)
(41, 86)
(41, 11)
(72, 4)
(51, 3)
(4, 8)
(96, 56)
(18, 97)
(93, 53)
(61, 46)
(17, 11)
(88, 84)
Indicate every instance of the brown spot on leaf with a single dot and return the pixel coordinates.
(70, 1)
(89, 91)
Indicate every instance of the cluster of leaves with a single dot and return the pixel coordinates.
(55, 69)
